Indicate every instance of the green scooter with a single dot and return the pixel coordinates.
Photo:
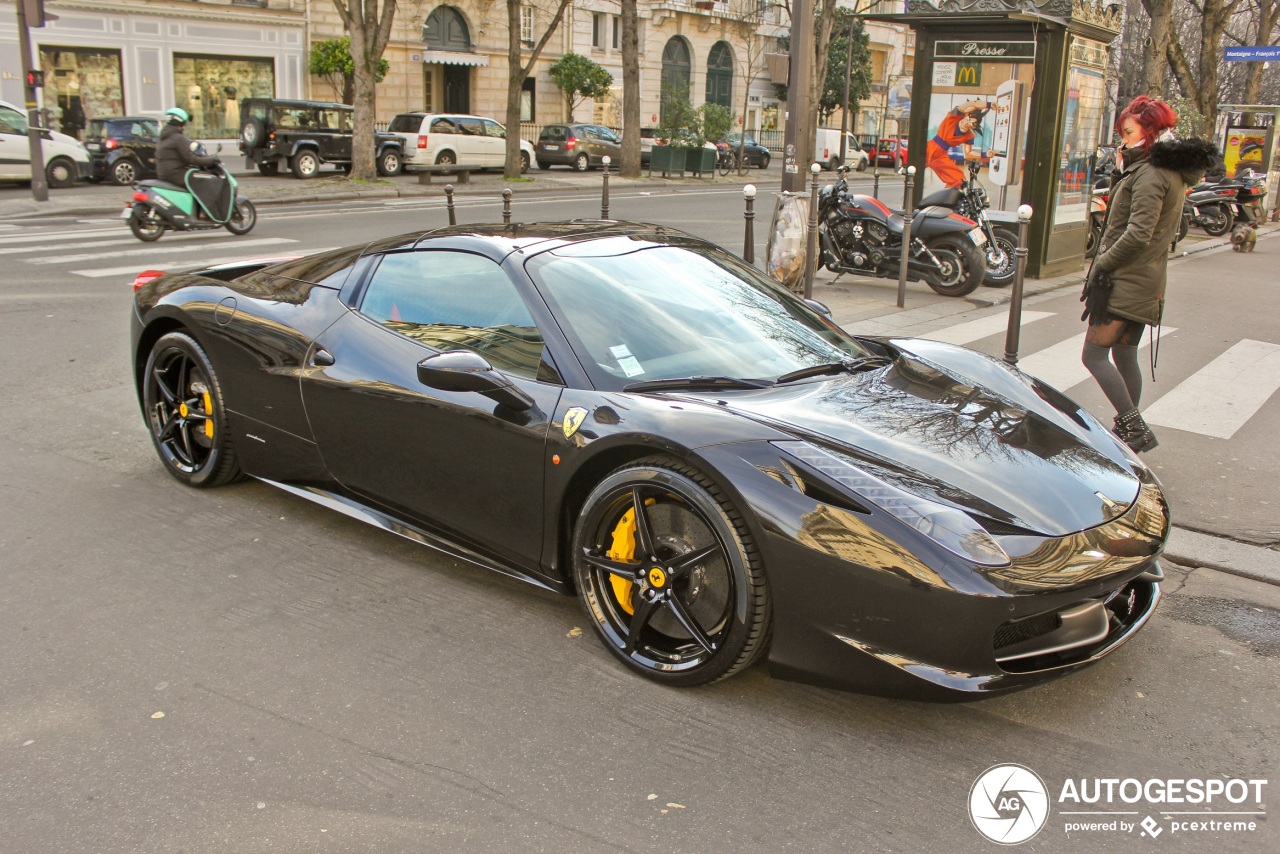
(209, 200)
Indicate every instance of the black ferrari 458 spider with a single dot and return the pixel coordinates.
(634, 415)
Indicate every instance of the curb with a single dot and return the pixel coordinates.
(1191, 548)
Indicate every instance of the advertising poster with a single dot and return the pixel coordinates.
(1244, 150)
(969, 102)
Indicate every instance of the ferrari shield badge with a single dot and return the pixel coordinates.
(573, 420)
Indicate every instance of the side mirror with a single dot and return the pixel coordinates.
(820, 308)
(463, 370)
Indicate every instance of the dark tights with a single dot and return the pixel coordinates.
(1111, 355)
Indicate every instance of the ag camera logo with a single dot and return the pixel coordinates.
(1008, 804)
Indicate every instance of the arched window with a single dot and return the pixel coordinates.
(677, 70)
(720, 75)
(445, 29)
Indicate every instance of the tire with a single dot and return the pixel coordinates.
(252, 133)
(269, 168)
(544, 165)
(305, 164)
(833, 164)
(124, 173)
(724, 164)
(524, 162)
(389, 162)
(1002, 275)
(862, 165)
(446, 158)
(764, 161)
(1216, 221)
(964, 266)
(60, 173)
(697, 607)
(582, 162)
(1094, 237)
(243, 218)
(185, 413)
(145, 224)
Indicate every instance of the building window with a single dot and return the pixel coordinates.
(526, 24)
(80, 84)
(445, 29)
(617, 31)
(210, 88)
(597, 30)
(528, 100)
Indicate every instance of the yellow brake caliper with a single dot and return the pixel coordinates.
(624, 550)
(208, 411)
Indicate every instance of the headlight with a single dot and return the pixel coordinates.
(948, 527)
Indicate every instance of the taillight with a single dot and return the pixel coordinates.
(139, 197)
(110, 144)
(570, 143)
(422, 140)
(146, 276)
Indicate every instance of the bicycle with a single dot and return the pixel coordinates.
(726, 161)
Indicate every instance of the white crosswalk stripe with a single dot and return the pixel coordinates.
(124, 239)
(151, 251)
(965, 333)
(1220, 397)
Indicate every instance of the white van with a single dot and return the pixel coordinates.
(451, 138)
(65, 159)
(827, 150)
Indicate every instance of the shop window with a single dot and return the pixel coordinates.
(80, 84)
(211, 88)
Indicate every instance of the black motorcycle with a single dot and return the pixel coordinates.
(1211, 206)
(860, 234)
(970, 200)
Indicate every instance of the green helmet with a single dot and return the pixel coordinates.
(177, 114)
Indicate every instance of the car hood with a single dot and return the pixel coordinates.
(967, 431)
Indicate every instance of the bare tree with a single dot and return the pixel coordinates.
(370, 29)
(1156, 48)
(517, 71)
(630, 90)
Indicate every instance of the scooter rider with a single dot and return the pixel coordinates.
(175, 154)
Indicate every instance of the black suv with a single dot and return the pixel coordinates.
(305, 134)
(122, 149)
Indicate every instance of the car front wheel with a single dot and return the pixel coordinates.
(669, 576)
(524, 162)
(182, 401)
(582, 163)
(124, 173)
(389, 163)
(61, 173)
(764, 161)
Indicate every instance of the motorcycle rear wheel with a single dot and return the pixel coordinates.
(963, 265)
(149, 231)
(1217, 220)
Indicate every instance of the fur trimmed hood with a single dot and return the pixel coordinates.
(1189, 157)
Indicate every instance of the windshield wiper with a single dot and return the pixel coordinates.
(695, 383)
(832, 368)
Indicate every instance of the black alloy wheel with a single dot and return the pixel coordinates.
(124, 172)
(961, 266)
(305, 164)
(669, 576)
(1216, 220)
(185, 414)
(1002, 263)
(145, 223)
(582, 162)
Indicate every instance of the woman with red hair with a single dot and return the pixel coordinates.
(1124, 292)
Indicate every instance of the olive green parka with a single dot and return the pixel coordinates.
(1146, 205)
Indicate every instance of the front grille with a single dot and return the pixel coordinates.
(1032, 627)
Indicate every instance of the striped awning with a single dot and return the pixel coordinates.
(453, 57)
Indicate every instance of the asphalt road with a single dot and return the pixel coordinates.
(240, 670)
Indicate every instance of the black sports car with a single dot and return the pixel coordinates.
(717, 470)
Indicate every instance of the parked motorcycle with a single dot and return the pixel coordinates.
(1253, 189)
(1211, 206)
(860, 234)
(209, 200)
(970, 200)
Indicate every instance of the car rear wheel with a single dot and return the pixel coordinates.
(61, 173)
(669, 576)
(389, 163)
(243, 218)
(961, 266)
(544, 165)
(582, 163)
(524, 162)
(124, 173)
(269, 167)
(305, 164)
(446, 158)
(183, 406)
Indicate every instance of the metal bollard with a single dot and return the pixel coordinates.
(448, 200)
(875, 182)
(905, 260)
(506, 206)
(604, 192)
(749, 236)
(811, 251)
(1015, 299)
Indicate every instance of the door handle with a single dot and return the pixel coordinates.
(322, 358)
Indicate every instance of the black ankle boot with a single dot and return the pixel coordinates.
(1134, 431)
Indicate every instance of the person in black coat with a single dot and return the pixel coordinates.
(175, 154)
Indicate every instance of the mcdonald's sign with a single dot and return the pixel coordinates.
(969, 74)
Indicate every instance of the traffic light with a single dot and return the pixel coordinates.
(35, 79)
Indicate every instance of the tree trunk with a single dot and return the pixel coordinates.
(630, 91)
(822, 42)
(516, 73)
(1268, 18)
(1156, 49)
(370, 32)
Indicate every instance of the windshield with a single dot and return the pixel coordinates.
(636, 311)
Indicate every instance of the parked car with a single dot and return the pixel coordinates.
(827, 150)
(632, 415)
(579, 146)
(65, 159)
(305, 134)
(892, 153)
(453, 138)
(122, 149)
(753, 152)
